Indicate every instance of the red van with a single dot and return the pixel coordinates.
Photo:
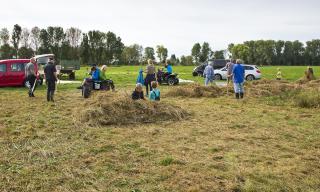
(12, 72)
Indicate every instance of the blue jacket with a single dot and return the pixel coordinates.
(209, 72)
(238, 73)
(169, 69)
(96, 74)
(154, 95)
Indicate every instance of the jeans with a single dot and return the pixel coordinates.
(238, 88)
(208, 80)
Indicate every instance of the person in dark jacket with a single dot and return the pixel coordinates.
(138, 92)
(50, 74)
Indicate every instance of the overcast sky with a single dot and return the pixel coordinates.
(177, 24)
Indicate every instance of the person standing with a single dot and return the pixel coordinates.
(229, 69)
(279, 75)
(238, 74)
(50, 74)
(209, 74)
(151, 76)
(31, 77)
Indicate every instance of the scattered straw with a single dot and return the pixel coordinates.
(115, 109)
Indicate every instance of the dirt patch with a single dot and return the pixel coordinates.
(116, 109)
(196, 90)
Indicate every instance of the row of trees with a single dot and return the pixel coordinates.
(270, 52)
(108, 48)
(92, 47)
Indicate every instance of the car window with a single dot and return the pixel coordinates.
(17, 67)
(3, 68)
(248, 68)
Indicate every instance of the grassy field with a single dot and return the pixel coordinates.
(257, 144)
(126, 75)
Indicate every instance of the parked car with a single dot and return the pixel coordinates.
(252, 72)
(216, 63)
(12, 72)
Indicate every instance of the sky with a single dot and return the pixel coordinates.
(176, 24)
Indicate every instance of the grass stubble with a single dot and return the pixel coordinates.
(223, 145)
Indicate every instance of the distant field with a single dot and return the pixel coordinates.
(126, 75)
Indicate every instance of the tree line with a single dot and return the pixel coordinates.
(107, 48)
(270, 52)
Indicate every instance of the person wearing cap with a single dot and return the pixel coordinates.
(209, 74)
(31, 77)
(103, 77)
(50, 74)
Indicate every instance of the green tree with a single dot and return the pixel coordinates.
(44, 42)
(85, 49)
(132, 55)
(205, 52)
(149, 53)
(196, 52)
(219, 54)
(162, 53)
(312, 52)
(186, 60)
(25, 52)
(35, 39)
(16, 37)
(7, 52)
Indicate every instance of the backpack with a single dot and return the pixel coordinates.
(157, 97)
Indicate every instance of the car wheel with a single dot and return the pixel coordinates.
(171, 81)
(250, 78)
(217, 77)
(194, 74)
(176, 81)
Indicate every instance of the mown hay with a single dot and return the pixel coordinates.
(269, 88)
(196, 90)
(115, 109)
(309, 99)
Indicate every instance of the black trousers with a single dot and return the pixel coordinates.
(51, 87)
(148, 81)
(32, 82)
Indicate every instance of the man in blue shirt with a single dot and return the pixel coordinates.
(169, 68)
(209, 74)
(238, 74)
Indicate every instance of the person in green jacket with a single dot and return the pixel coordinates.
(103, 77)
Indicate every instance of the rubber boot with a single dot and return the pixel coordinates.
(241, 95)
(237, 96)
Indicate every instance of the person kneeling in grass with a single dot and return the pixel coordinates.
(155, 93)
(138, 92)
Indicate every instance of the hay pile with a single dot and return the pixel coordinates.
(115, 109)
(269, 88)
(196, 91)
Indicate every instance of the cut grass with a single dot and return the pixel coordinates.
(226, 145)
